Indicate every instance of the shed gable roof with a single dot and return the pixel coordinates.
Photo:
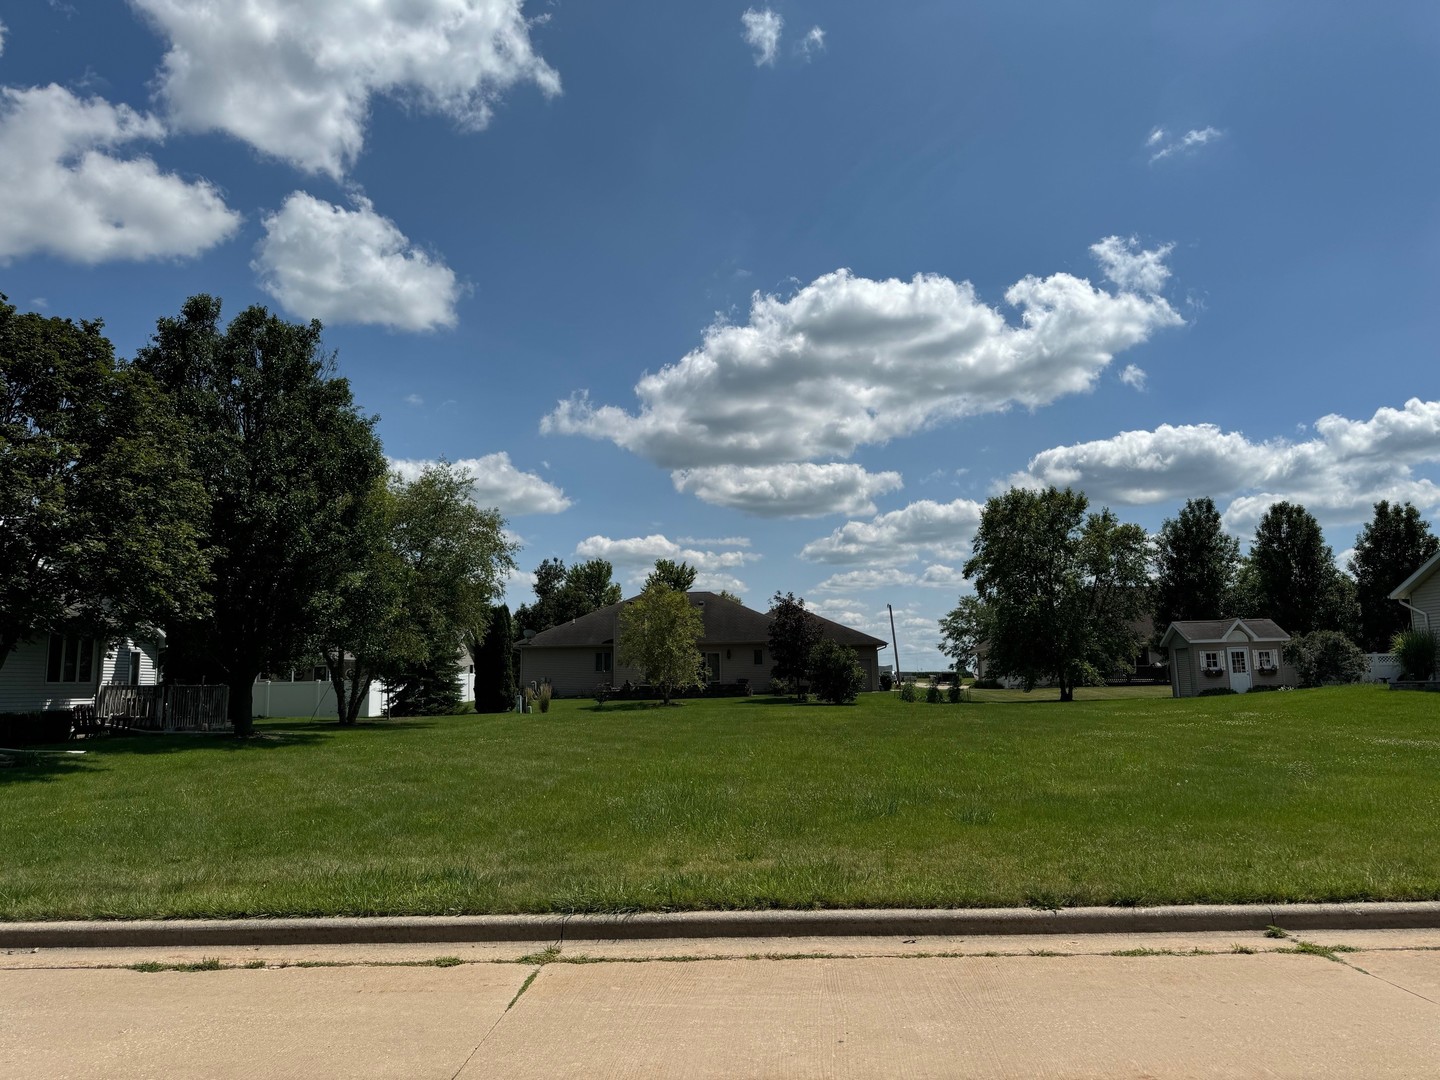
(1195, 631)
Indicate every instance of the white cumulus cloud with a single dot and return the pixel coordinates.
(1133, 376)
(1132, 267)
(943, 530)
(67, 193)
(812, 42)
(793, 490)
(294, 78)
(848, 361)
(1338, 475)
(762, 33)
(500, 484)
(634, 557)
(326, 262)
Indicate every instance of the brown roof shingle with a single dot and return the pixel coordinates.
(726, 623)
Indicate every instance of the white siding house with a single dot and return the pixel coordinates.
(58, 671)
(1420, 594)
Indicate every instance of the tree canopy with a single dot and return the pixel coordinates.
(963, 629)
(1291, 577)
(102, 514)
(794, 633)
(1195, 563)
(678, 576)
(563, 594)
(1390, 547)
(1061, 588)
(428, 566)
(289, 463)
(659, 633)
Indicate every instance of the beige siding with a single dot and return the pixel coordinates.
(1427, 599)
(571, 671)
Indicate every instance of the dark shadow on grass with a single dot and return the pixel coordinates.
(269, 735)
(31, 767)
(635, 706)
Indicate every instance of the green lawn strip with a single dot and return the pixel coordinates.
(1323, 795)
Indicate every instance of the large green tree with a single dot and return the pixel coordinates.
(1195, 562)
(1390, 547)
(365, 632)
(794, 633)
(454, 556)
(1061, 587)
(100, 513)
(1291, 577)
(289, 463)
(659, 633)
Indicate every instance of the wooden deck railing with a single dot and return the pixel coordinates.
(164, 708)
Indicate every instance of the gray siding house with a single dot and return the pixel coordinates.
(1420, 593)
(59, 671)
(1235, 653)
(578, 656)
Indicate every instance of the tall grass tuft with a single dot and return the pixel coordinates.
(1416, 650)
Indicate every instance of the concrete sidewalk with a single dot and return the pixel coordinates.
(822, 1007)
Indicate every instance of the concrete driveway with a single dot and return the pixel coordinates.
(1048, 1007)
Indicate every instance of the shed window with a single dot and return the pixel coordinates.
(71, 660)
(1264, 658)
(1212, 661)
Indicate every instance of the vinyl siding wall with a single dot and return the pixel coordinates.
(22, 679)
(1427, 599)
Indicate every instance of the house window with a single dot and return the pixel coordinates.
(602, 661)
(1212, 661)
(759, 656)
(321, 673)
(134, 669)
(72, 659)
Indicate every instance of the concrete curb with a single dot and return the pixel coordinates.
(952, 922)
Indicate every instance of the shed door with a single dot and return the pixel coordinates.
(1240, 670)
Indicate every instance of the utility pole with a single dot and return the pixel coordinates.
(895, 643)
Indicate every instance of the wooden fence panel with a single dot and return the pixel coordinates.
(164, 708)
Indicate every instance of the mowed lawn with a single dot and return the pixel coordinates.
(744, 803)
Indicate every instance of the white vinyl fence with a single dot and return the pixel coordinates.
(1382, 667)
(309, 698)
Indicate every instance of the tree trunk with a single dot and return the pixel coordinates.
(240, 695)
(1067, 693)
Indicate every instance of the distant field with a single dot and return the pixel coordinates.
(745, 803)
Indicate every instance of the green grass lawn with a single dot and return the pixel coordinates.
(1311, 795)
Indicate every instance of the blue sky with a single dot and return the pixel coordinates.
(872, 261)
